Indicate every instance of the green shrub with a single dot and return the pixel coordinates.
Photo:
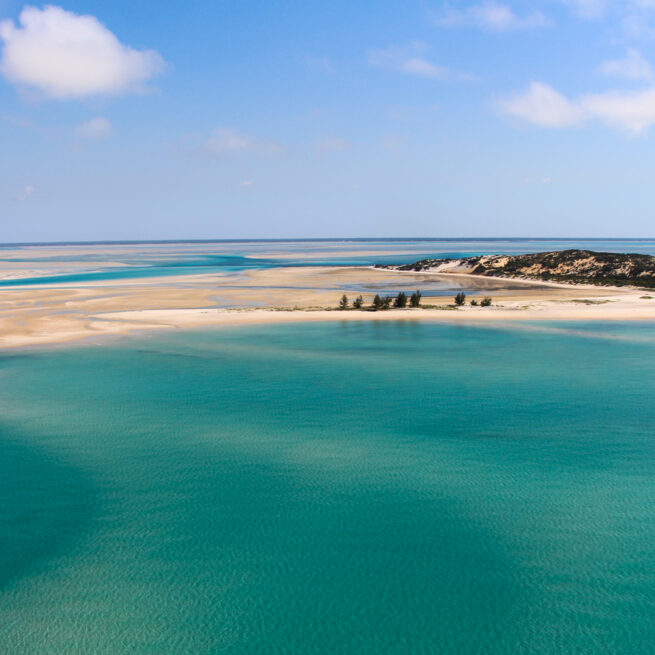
(460, 299)
(485, 302)
(415, 299)
(358, 302)
(343, 303)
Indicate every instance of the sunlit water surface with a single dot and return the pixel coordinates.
(391, 487)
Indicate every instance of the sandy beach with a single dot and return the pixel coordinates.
(36, 315)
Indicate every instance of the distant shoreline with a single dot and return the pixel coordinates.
(82, 311)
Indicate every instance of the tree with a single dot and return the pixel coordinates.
(377, 302)
(415, 299)
(386, 302)
(343, 303)
(460, 299)
(401, 300)
(474, 303)
(486, 301)
(358, 302)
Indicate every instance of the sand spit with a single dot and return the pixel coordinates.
(51, 314)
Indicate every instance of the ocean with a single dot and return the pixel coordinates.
(356, 487)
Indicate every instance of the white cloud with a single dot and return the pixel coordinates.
(224, 141)
(64, 55)
(409, 60)
(423, 68)
(246, 183)
(634, 11)
(588, 8)
(542, 105)
(96, 128)
(632, 67)
(491, 16)
(332, 144)
(629, 111)
(25, 193)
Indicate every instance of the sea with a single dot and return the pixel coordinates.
(392, 487)
(383, 487)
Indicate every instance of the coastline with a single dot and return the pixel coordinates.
(60, 330)
(36, 315)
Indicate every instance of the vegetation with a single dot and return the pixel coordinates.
(401, 300)
(380, 303)
(415, 299)
(474, 303)
(460, 298)
(485, 302)
(574, 266)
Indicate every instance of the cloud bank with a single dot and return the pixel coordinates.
(64, 55)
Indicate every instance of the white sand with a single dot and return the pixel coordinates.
(48, 314)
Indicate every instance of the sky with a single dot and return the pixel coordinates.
(242, 119)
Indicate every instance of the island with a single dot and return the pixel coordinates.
(572, 266)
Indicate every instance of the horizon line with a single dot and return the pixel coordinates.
(307, 240)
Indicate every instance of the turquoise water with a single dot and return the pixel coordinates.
(390, 487)
(157, 259)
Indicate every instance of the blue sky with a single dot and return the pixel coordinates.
(154, 120)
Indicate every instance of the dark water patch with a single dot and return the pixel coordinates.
(47, 507)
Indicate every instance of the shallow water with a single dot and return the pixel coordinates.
(154, 260)
(383, 487)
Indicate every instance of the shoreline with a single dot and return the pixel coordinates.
(39, 315)
(109, 325)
